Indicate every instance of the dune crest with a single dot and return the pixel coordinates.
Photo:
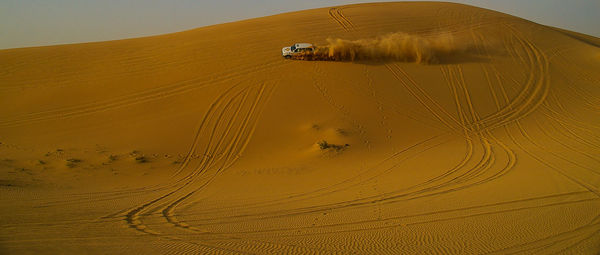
(208, 141)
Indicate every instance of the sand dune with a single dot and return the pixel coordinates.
(208, 141)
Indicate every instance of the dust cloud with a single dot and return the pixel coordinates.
(395, 46)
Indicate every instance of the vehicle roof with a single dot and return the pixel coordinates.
(303, 45)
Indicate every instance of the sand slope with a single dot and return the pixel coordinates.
(206, 141)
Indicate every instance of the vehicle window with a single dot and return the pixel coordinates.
(293, 48)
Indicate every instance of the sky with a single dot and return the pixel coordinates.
(25, 23)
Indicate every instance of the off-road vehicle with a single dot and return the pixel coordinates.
(297, 49)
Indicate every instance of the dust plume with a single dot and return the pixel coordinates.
(395, 46)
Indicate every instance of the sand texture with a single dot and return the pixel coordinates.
(440, 129)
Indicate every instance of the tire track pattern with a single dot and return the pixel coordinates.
(224, 133)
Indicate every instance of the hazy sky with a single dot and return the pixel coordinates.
(44, 22)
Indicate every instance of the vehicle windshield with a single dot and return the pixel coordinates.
(293, 48)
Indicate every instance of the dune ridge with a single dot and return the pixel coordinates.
(437, 128)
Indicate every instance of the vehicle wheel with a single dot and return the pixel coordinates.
(288, 57)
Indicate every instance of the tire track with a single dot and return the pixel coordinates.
(520, 130)
(476, 171)
(336, 14)
(221, 101)
(567, 146)
(232, 123)
(385, 166)
(379, 170)
(504, 147)
(132, 216)
(229, 157)
(512, 157)
(562, 115)
(423, 97)
(148, 62)
(135, 98)
(562, 124)
(483, 137)
(215, 114)
(485, 163)
(225, 161)
(463, 162)
(531, 96)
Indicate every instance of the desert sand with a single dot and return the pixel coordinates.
(208, 141)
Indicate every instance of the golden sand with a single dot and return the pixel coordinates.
(208, 141)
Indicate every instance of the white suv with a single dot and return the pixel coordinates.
(297, 49)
